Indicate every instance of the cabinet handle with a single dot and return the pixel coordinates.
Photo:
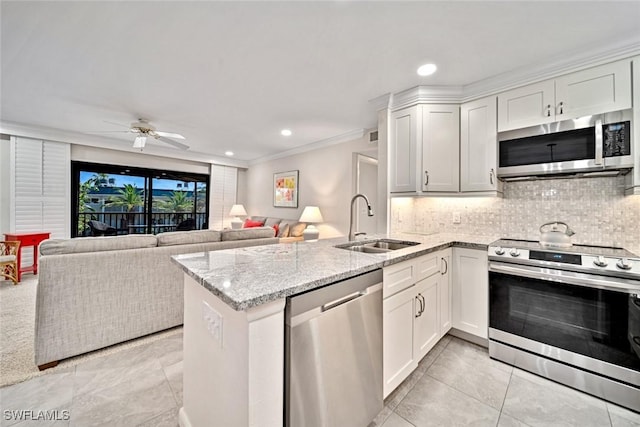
(548, 110)
(426, 178)
(446, 266)
(561, 108)
(421, 309)
(424, 303)
(491, 172)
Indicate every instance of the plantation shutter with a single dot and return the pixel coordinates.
(224, 183)
(40, 189)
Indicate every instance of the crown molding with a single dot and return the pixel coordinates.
(382, 102)
(78, 138)
(426, 94)
(339, 139)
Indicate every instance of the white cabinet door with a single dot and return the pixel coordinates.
(440, 147)
(478, 145)
(426, 329)
(593, 91)
(526, 106)
(398, 330)
(470, 291)
(444, 291)
(404, 128)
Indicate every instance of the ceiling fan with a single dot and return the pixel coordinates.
(144, 130)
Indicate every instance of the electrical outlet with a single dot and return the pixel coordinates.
(213, 322)
(456, 218)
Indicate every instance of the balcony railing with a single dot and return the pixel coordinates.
(136, 222)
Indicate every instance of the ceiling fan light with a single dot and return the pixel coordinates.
(139, 142)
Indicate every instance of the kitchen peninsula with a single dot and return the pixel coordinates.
(234, 319)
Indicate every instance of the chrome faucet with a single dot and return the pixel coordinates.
(352, 234)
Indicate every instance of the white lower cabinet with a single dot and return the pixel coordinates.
(412, 313)
(397, 330)
(426, 325)
(470, 292)
(444, 291)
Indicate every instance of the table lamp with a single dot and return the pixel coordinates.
(235, 212)
(311, 215)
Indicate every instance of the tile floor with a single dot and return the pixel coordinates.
(456, 384)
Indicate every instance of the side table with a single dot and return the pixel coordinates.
(27, 239)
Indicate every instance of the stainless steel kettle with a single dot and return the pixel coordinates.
(554, 237)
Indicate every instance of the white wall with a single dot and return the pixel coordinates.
(326, 181)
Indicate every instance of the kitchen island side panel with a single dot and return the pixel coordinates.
(240, 380)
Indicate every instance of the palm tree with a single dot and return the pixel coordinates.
(130, 198)
(177, 202)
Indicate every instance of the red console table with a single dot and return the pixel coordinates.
(27, 239)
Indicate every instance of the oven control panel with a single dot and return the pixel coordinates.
(591, 263)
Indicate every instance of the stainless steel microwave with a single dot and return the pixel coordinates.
(587, 144)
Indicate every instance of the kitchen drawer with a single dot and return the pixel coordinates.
(397, 277)
(427, 265)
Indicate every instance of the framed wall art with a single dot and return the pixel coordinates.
(285, 189)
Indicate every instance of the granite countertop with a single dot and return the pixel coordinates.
(248, 277)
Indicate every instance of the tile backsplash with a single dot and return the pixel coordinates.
(595, 208)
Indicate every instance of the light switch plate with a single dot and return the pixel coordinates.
(213, 322)
(456, 218)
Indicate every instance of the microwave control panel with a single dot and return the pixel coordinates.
(616, 139)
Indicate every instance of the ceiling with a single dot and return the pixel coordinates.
(231, 75)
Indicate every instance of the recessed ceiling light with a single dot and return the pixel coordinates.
(427, 69)
(285, 132)
(228, 153)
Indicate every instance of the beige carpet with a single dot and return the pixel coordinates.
(17, 318)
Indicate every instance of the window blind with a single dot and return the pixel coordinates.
(40, 192)
(224, 183)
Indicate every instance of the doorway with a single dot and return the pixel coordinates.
(366, 182)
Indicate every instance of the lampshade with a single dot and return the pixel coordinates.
(311, 214)
(237, 210)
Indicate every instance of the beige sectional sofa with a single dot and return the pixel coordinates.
(94, 292)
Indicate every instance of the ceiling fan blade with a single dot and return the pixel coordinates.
(176, 144)
(169, 134)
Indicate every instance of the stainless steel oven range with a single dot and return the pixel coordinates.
(569, 314)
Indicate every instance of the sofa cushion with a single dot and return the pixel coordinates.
(188, 237)
(297, 229)
(261, 219)
(247, 233)
(97, 244)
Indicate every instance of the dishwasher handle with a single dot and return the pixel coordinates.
(333, 304)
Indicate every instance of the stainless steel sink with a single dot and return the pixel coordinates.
(376, 246)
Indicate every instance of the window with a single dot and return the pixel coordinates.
(112, 200)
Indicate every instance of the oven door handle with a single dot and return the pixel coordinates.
(568, 277)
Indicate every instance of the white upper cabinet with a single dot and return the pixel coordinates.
(404, 128)
(424, 146)
(526, 106)
(478, 145)
(440, 147)
(591, 91)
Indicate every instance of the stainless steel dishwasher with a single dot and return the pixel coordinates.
(333, 363)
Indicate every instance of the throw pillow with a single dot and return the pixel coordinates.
(297, 229)
(284, 231)
(250, 223)
(276, 227)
